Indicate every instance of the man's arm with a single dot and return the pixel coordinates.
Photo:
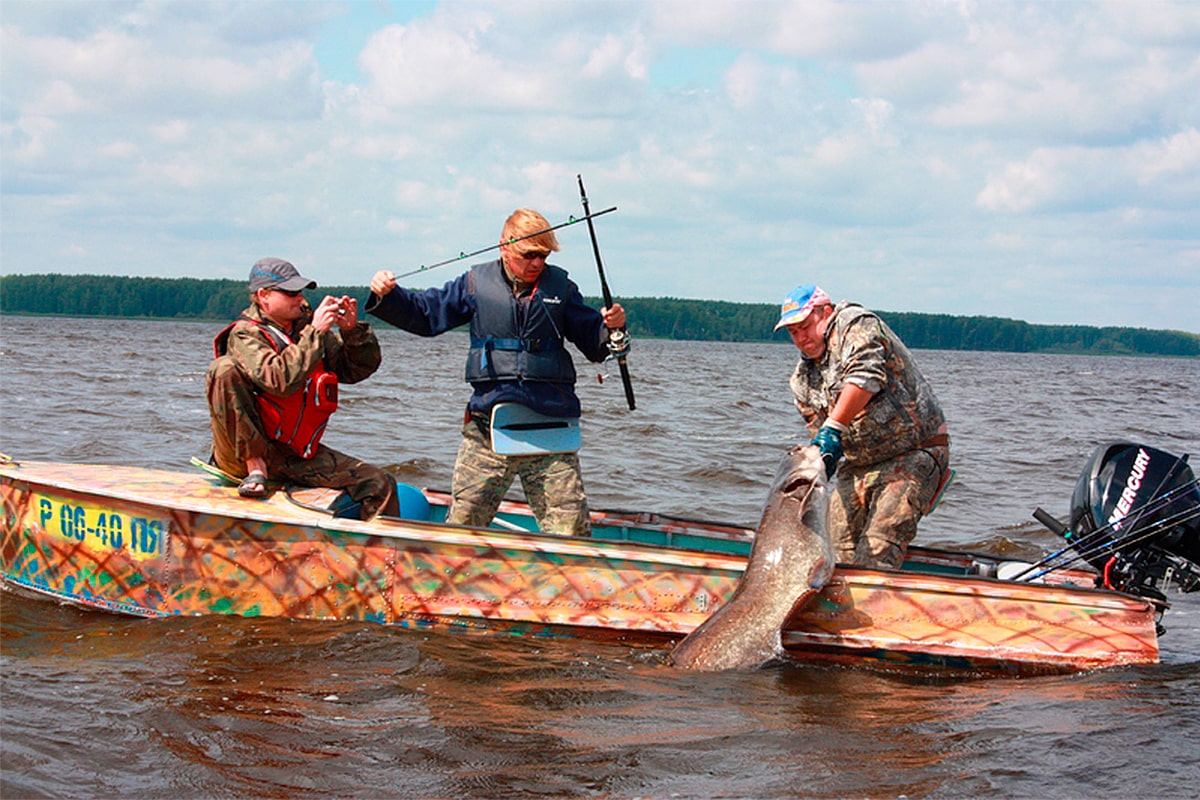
(850, 403)
(359, 357)
(585, 327)
(426, 313)
(862, 353)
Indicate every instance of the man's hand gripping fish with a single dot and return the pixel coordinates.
(791, 559)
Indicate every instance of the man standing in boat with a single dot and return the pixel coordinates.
(272, 387)
(521, 311)
(862, 397)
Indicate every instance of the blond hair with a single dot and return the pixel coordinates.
(523, 222)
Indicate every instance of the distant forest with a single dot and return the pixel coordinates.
(656, 317)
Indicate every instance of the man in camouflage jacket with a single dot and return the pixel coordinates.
(863, 397)
(273, 349)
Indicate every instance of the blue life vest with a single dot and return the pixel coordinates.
(518, 339)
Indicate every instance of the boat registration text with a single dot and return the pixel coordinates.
(101, 528)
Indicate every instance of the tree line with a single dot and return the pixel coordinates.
(656, 317)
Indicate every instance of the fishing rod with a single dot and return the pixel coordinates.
(1136, 557)
(1147, 532)
(1136, 536)
(618, 340)
(570, 221)
(1095, 541)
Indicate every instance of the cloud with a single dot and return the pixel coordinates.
(949, 157)
(1081, 178)
(1177, 155)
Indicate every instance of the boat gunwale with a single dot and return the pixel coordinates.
(893, 579)
(397, 528)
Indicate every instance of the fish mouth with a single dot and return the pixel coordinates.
(798, 482)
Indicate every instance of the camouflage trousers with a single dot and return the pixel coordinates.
(875, 508)
(553, 486)
(238, 436)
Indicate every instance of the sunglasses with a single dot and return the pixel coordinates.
(290, 292)
(530, 255)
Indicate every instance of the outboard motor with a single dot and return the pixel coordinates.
(1135, 517)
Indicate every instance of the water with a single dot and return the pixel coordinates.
(95, 705)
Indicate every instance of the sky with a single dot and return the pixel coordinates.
(1036, 161)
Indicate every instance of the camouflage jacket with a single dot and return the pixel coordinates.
(354, 356)
(860, 349)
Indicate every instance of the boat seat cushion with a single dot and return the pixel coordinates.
(413, 503)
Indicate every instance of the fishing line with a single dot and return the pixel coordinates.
(571, 220)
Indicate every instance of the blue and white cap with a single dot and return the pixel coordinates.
(800, 303)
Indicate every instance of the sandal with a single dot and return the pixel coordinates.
(253, 485)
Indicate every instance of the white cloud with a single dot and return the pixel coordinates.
(60, 99)
(421, 64)
(615, 55)
(118, 150)
(1177, 155)
(904, 154)
(877, 115)
(1094, 178)
(1024, 185)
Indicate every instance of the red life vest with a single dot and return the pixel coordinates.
(299, 419)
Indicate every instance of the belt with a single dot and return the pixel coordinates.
(937, 440)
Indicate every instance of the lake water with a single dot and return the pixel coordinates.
(96, 705)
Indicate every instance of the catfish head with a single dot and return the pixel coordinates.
(791, 559)
(800, 476)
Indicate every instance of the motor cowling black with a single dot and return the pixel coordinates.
(1135, 517)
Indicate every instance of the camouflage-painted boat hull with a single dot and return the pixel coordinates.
(157, 543)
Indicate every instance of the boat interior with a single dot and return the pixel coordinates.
(662, 531)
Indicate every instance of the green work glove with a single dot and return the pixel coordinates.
(829, 439)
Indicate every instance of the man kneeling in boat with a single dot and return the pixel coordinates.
(272, 387)
(520, 310)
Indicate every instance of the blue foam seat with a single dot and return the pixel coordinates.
(413, 503)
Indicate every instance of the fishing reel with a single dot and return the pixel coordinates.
(618, 343)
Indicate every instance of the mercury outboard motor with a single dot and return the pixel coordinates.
(1135, 517)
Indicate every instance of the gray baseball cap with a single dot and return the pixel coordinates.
(275, 273)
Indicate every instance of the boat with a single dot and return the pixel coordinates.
(160, 543)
